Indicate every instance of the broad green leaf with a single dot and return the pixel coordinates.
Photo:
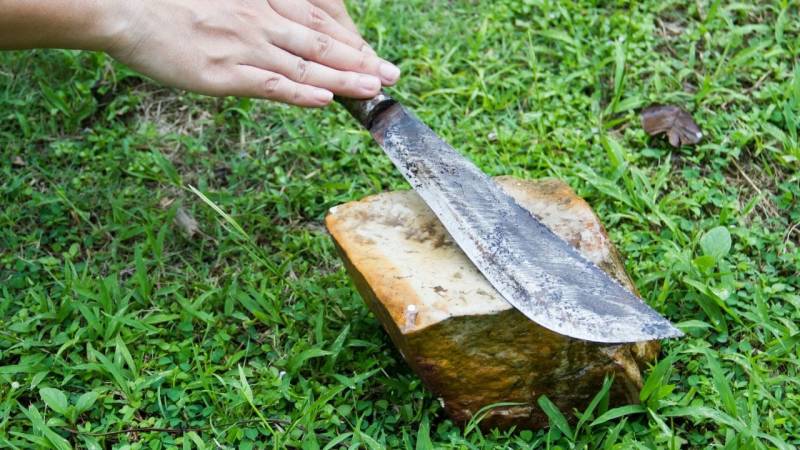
(423, 435)
(39, 425)
(778, 442)
(245, 386)
(297, 361)
(167, 168)
(613, 435)
(40, 441)
(337, 440)
(706, 413)
(197, 440)
(780, 347)
(247, 392)
(310, 442)
(114, 370)
(712, 295)
(86, 401)
(90, 443)
(193, 310)
(716, 242)
(705, 262)
(55, 399)
(122, 350)
(616, 154)
(38, 378)
(369, 441)
(660, 423)
(558, 35)
(254, 308)
(692, 324)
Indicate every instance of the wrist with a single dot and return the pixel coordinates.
(73, 24)
(109, 22)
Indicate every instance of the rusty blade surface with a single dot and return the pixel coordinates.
(537, 272)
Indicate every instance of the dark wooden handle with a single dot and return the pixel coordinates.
(365, 111)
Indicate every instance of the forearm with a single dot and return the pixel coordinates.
(76, 24)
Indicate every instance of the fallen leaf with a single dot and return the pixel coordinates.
(186, 222)
(165, 202)
(673, 121)
(670, 28)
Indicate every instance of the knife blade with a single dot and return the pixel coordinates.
(537, 272)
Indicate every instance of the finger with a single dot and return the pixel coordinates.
(317, 19)
(349, 84)
(249, 81)
(337, 10)
(321, 48)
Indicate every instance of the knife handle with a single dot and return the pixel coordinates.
(366, 111)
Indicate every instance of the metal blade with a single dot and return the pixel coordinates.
(541, 275)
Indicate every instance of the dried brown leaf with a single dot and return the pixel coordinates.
(165, 202)
(186, 222)
(673, 121)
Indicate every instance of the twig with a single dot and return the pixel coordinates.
(757, 84)
(788, 235)
(769, 210)
(136, 430)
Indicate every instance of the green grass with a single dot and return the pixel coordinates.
(250, 335)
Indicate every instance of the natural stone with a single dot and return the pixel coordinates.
(468, 345)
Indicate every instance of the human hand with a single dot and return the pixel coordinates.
(293, 51)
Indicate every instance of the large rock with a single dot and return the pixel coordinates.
(466, 343)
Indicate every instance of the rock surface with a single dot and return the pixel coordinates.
(466, 343)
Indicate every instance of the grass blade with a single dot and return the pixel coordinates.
(38, 423)
(556, 418)
(656, 378)
(601, 394)
(722, 385)
(424, 435)
(622, 411)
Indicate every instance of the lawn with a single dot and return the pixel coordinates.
(123, 327)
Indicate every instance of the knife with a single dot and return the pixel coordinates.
(537, 272)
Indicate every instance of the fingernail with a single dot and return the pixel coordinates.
(389, 72)
(322, 95)
(368, 83)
